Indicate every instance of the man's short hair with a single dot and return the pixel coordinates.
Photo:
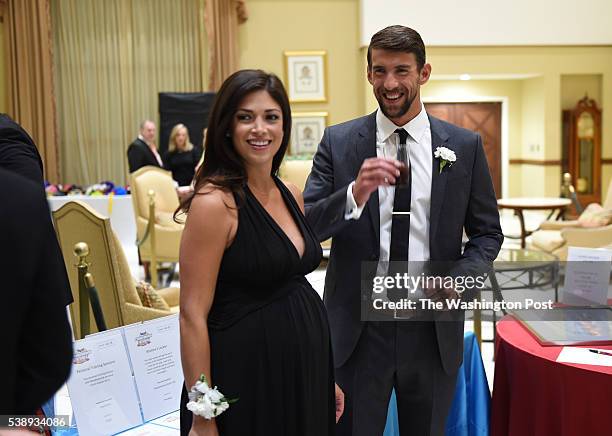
(142, 124)
(398, 38)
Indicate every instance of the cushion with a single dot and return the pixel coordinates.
(149, 296)
(595, 216)
(547, 240)
(296, 172)
(125, 275)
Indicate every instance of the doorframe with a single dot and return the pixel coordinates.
(505, 163)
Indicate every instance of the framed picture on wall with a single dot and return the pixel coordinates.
(305, 75)
(306, 132)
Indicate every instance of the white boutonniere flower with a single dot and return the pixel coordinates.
(207, 402)
(446, 156)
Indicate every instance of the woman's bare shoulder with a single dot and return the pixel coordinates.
(213, 203)
(292, 188)
(295, 191)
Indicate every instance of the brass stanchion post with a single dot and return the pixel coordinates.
(151, 225)
(81, 251)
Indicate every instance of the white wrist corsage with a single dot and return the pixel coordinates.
(446, 156)
(207, 402)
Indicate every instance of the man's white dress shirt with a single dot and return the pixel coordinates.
(421, 161)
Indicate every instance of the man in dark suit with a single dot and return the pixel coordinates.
(143, 151)
(350, 196)
(34, 329)
(18, 152)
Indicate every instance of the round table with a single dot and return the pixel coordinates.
(535, 395)
(519, 204)
(517, 268)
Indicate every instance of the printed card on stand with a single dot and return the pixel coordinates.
(101, 387)
(154, 350)
(587, 276)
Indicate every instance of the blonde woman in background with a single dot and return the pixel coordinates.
(182, 157)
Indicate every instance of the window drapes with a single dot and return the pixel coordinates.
(112, 58)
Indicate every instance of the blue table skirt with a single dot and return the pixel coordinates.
(470, 412)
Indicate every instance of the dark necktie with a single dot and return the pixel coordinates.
(400, 223)
(400, 226)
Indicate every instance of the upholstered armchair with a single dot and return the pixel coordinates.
(121, 305)
(159, 241)
(593, 229)
(296, 172)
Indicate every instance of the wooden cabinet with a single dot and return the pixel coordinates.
(582, 149)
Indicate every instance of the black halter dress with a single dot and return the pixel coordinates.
(269, 336)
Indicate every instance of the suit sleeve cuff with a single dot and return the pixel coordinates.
(352, 211)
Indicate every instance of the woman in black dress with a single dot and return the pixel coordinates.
(250, 321)
(182, 157)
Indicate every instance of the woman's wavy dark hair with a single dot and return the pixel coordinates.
(223, 167)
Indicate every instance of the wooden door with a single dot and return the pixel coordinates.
(484, 118)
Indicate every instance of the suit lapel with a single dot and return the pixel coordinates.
(152, 157)
(365, 148)
(439, 138)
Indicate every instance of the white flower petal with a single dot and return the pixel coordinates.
(445, 154)
(202, 387)
(214, 395)
(206, 401)
(221, 407)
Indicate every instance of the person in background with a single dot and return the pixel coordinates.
(143, 151)
(18, 153)
(182, 157)
(34, 329)
(19, 157)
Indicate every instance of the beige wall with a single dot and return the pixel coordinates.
(606, 177)
(575, 86)
(3, 83)
(533, 138)
(277, 26)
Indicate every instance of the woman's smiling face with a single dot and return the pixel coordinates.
(257, 128)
